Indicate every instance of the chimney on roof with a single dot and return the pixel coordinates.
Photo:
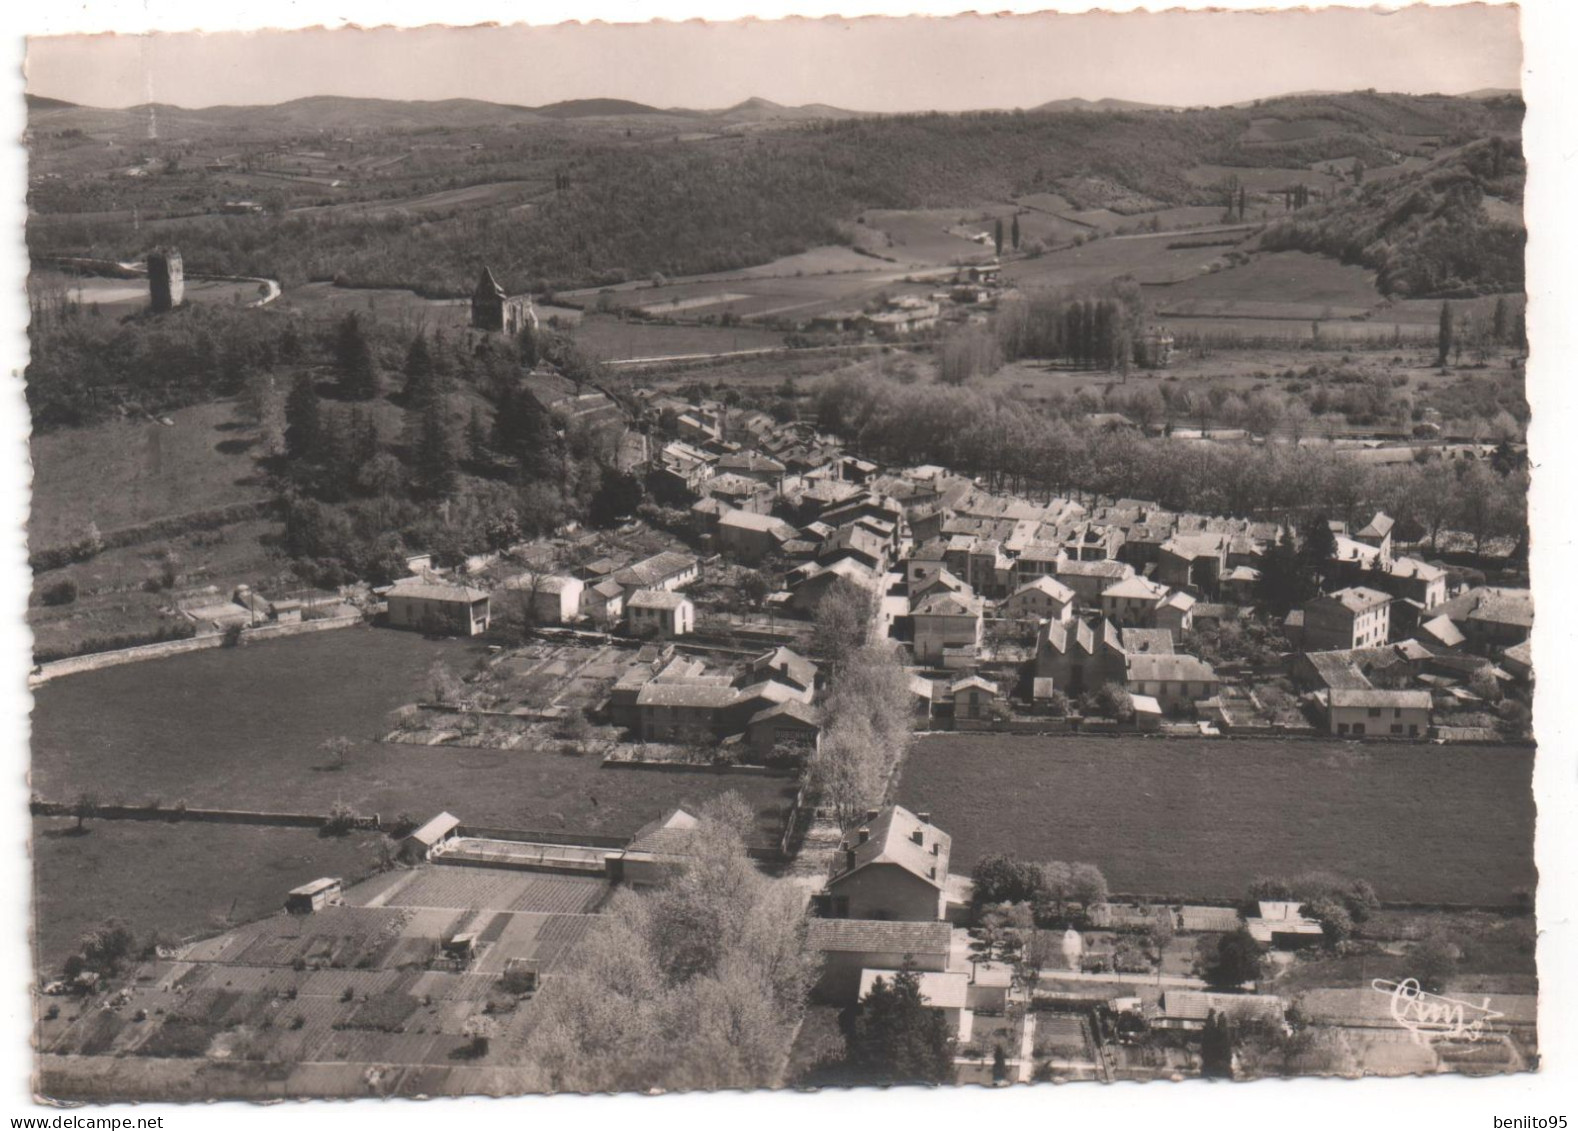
(925, 818)
(863, 835)
(871, 814)
(849, 860)
(918, 837)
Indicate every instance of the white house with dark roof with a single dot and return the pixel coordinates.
(1368, 712)
(1132, 601)
(658, 612)
(892, 865)
(435, 608)
(1174, 681)
(945, 622)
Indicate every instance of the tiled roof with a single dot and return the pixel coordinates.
(879, 936)
(655, 599)
(1174, 668)
(432, 591)
(891, 840)
(1379, 697)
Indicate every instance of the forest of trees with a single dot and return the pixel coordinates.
(621, 210)
(696, 984)
(1425, 233)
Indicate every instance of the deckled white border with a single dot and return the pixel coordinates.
(1552, 144)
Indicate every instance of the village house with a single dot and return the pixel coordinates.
(658, 612)
(750, 537)
(1193, 561)
(753, 465)
(1089, 580)
(689, 711)
(1413, 580)
(947, 625)
(894, 865)
(1079, 658)
(1377, 533)
(785, 666)
(314, 896)
(1357, 617)
(1492, 618)
(1132, 601)
(551, 599)
(1037, 558)
(668, 570)
(788, 726)
(438, 609)
(849, 946)
(974, 699)
(739, 492)
(1360, 712)
(1174, 681)
(1045, 598)
(1239, 584)
(925, 561)
(603, 603)
(1175, 613)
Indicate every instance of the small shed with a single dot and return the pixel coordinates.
(461, 947)
(421, 844)
(314, 896)
(1147, 712)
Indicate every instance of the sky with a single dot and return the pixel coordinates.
(1185, 58)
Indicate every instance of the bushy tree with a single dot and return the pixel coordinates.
(898, 1038)
(1236, 959)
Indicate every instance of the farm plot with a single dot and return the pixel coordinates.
(489, 890)
(1284, 284)
(1203, 818)
(609, 338)
(392, 304)
(933, 236)
(1146, 257)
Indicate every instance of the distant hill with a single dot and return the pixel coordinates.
(1102, 105)
(300, 115)
(599, 108)
(763, 110)
(39, 102)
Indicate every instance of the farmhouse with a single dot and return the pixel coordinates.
(1360, 712)
(973, 698)
(1175, 612)
(1089, 580)
(1189, 1009)
(658, 612)
(848, 946)
(893, 866)
(430, 607)
(1492, 617)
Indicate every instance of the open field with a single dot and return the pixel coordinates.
(399, 306)
(1203, 818)
(1286, 284)
(243, 728)
(115, 298)
(1261, 179)
(931, 236)
(1146, 257)
(610, 339)
(127, 472)
(497, 193)
(181, 879)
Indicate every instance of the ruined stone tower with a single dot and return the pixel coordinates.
(166, 280)
(492, 309)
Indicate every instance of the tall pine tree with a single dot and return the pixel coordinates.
(420, 383)
(303, 421)
(433, 461)
(353, 359)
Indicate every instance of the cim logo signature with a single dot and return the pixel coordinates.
(1427, 1016)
